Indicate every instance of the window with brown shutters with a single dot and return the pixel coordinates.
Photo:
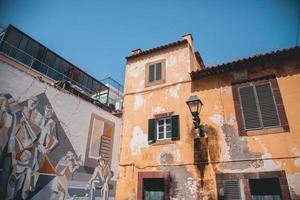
(259, 107)
(155, 73)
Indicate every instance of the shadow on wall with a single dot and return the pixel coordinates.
(205, 148)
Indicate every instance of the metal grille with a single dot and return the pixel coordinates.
(267, 105)
(232, 190)
(105, 147)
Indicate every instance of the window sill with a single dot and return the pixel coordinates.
(153, 83)
(266, 131)
(163, 142)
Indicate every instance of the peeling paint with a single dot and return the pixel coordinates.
(158, 109)
(238, 149)
(217, 119)
(140, 86)
(138, 101)
(294, 182)
(232, 120)
(268, 164)
(171, 62)
(192, 186)
(168, 155)
(183, 56)
(139, 140)
(135, 70)
(183, 184)
(226, 90)
(174, 91)
(234, 147)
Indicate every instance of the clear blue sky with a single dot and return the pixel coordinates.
(97, 35)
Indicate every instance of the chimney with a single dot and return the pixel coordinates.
(136, 51)
(189, 38)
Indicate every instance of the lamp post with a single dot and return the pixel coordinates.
(195, 105)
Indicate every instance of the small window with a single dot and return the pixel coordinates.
(154, 185)
(267, 188)
(166, 128)
(153, 189)
(259, 107)
(155, 73)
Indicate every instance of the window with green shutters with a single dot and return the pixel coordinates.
(166, 128)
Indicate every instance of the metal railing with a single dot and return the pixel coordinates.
(113, 83)
(36, 65)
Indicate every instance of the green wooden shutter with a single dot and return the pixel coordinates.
(151, 130)
(175, 127)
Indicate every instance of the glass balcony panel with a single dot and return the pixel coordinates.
(22, 57)
(38, 66)
(54, 74)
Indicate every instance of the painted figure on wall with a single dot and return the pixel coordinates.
(100, 179)
(46, 141)
(65, 167)
(20, 176)
(29, 135)
(5, 122)
(37, 159)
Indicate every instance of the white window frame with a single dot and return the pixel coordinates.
(165, 128)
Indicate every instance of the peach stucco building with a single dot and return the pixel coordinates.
(251, 148)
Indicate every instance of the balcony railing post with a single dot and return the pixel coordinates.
(31, 62)
(47, 70)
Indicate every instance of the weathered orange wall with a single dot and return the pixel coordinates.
(224, 144)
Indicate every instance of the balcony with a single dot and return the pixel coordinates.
(38, 58)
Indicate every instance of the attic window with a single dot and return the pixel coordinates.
(155, 73)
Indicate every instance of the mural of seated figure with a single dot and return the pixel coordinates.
(100, 180)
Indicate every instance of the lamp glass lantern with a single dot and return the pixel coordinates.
(194, 104)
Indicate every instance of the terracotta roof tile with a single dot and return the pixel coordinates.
(148, 51)
(246, 62)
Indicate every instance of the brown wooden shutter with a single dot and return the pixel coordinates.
(238, 110)
(249, 108)
(105, 147)
(158, 72)
(267, 105)
(151, 130)
(232, 189)
(151, 73)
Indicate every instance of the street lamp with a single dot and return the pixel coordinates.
(195, 104)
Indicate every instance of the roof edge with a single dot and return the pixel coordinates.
(246, 62)
(159, 48)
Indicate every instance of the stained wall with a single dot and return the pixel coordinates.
(223, 151)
